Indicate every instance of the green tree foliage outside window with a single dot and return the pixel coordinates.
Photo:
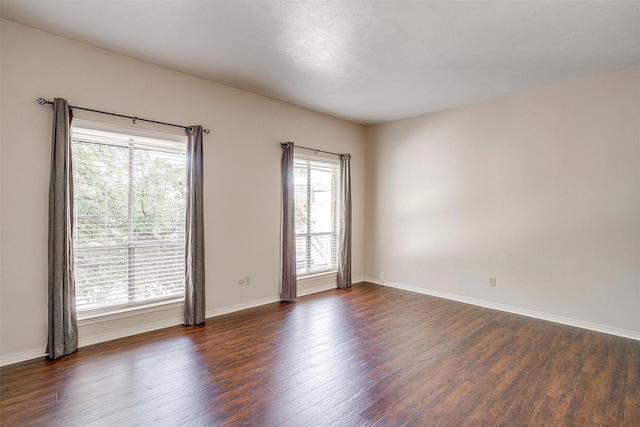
(129, 220)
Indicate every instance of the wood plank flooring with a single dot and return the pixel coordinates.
(367, 356)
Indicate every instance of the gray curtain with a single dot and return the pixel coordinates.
(63, 325)
(289, 286)
(344, 255)
(195, 308)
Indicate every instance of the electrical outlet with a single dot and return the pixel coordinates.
(492, 282)
(247, 281)
(381, 277)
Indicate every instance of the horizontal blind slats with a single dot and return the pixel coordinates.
(125, 254)
(317, 206)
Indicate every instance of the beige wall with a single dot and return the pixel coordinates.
(242, 175)
(539, 190)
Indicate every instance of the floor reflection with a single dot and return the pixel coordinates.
(319, 364)
(164, 381)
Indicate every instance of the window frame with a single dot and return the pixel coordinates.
(141, 136)
(334, 166)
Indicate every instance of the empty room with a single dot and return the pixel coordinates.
(319, 213)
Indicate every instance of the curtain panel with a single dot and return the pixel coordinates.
(63, 325)
(289, 286)
(195, 307)
(344, 254)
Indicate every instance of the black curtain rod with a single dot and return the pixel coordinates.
(283, 144)
(43, 101)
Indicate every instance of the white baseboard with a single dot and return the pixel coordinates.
(127, 332)
(327, 287)
(154, 326)
(512, 309)
(316, 289)
(21, 356)
(238, 307)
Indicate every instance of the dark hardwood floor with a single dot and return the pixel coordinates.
(365, 356)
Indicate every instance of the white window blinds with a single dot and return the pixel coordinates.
(129, 218)
(317, 206)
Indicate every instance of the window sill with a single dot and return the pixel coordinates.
(317, 275)
(121, 313)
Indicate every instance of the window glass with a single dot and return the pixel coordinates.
(316, 212)
(129, 218)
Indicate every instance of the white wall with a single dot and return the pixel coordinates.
(539, 190)
(242, 175)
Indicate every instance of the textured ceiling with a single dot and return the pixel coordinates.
(364, 61)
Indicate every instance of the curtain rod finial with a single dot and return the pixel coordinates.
(42, 101)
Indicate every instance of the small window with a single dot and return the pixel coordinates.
(317, 206)
(129, 217)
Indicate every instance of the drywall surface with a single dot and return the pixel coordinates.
(242, 175)
(540, 191)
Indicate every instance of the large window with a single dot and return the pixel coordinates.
(317, 205)
(129, 218)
